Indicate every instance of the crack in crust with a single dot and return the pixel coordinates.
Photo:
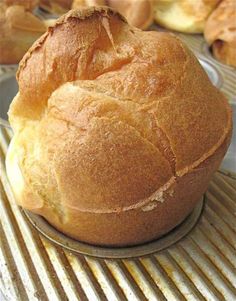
(167, 83)
(162, 144)
(101, 11)
(165, 147)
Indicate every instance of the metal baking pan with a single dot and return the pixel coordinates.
(4, 68)
(104, 252)
(200, 266)
(8, 89)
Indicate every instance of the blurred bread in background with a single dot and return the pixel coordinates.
(138, 13)
(183, 15)
(78, 3)
(28, 4)
(19, 28)
(58, 7)
(220, 32)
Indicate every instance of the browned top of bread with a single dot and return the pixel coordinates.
(108, 114)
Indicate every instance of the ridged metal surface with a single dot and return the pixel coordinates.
(202, 266)
(78, 247)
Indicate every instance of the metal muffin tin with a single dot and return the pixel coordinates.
(200, 266)
(8, 68)
(212, 72)
(86, 249)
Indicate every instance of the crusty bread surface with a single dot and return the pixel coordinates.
(117, 131)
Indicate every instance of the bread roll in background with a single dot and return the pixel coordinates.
(138, 13)
(80, 3)
(183, 15)
(56, 6)
(220, 32)
(28, 4)
(19, 28)
(117, 131)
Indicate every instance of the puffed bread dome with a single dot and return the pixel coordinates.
(116, 131)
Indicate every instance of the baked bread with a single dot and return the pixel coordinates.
(186, 15)
(220, 32)
(138, 13)
(117, 131)
(19, 29)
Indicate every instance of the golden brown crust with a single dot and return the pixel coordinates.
(123, 131)
(118, 228)
(73, 14)
(69, 62)
(220, 32)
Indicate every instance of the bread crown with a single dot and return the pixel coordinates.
(107, 115)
